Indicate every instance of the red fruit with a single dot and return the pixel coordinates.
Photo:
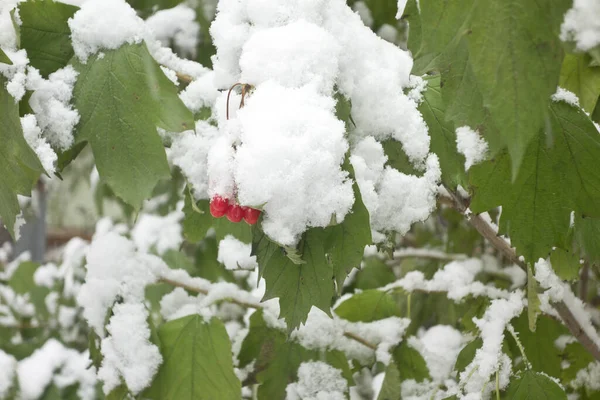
(251, 215)
(235, 213)
(215, 211)
(219, 204)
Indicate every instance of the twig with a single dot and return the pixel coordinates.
(429, 254)
(257, 306)
(488, 232)
(184, 77)
(583, 282)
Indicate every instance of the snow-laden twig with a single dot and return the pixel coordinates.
(572, 318)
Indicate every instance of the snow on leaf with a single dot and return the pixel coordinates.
(122, 98)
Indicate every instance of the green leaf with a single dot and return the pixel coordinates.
(558, 175)
(19, 165)
(298, 287)
(390, 388)
(467, 354)
(410, 363)
(368, 306)
(45, 34)
(533, 301)
(587, 234)
(515, 53)
(582, 79)
(118, 393)
(22, 282)
(346, 242)
(578, 358)
(565, 264)
(4, 58)
(534, 386)
(197, 220)
(374, 274)
(397, 158)
(122, 98)
(442, 133)
(539, 346)
(197, 362)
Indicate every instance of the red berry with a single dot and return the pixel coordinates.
(215, 212)
(235, 213)
(219, 203)
(251, 215)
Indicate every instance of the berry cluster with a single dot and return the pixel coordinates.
(220, 206)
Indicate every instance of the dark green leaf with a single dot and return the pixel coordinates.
(442, 133)
(122, 98)
(578, 358)
(4, 58)
(45, 34)
(467, 354)
(410, 363)
(390, 388)
(197, 362)
(515, 53)
(299, 287)
(368, 306)
(587, 234)
(534, 386)
(197, 220)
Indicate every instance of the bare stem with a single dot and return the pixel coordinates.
(488, 232)
(195, 289)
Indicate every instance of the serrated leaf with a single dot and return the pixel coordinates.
(197, 362)
(539, 345)
(443, 134)
(298, 287)
(579, 77)
(467, 354)
(4, 59)
(45, 34)
(558, 175)
(122, 98)
(410, 363)
(533, 386)
(515, 53)
(345, 243)
(565, 264)
(368, 306)
(19, 165)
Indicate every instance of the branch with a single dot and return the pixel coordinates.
(257, 306)
(486, 230)
(430, 254)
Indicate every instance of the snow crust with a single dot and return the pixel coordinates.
(235, 254)
(566, 96)
(177, 24)
(35, 140)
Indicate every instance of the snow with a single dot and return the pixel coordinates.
(317, 381)
(46, 275)
(471, 145)
(15, 73)
(189, 151)
(582, 25)
(566, 96)
(235, 254)
(388, 33)
(55, 363)
(157, 232)
(440, 346)
(401, 7)
(33, 137)
(290, 163)
(51, 103)
(104, 24)
(8, 367)
(417, 86)
(128, 352)
(267, 54)
(177, 24)
(8, 36)
(201, 92)
(363, 12)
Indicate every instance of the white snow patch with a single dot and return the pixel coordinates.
(471, 145)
